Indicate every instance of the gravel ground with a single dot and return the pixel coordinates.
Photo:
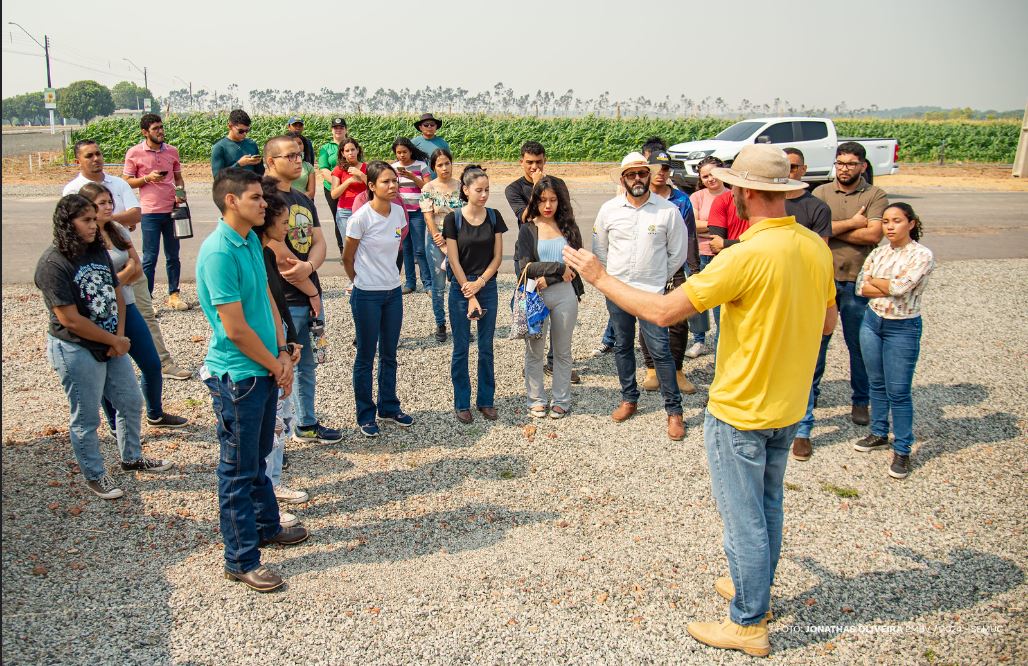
(588, 542)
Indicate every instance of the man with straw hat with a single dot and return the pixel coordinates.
(777, 295)
(641, 239)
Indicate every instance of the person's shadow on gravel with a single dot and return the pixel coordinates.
(969, 578)
(378, 488)
(468, 528)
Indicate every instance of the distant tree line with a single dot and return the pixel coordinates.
(86, 100)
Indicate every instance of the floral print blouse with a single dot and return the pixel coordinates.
(907, 270)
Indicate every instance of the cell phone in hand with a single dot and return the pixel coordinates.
(477, 314)
(163, 173)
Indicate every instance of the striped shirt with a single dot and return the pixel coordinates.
(907, 270)
(409, 190)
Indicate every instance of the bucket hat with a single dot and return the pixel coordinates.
(759, 167)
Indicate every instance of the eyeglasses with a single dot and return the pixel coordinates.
(636, 175)
(291, 157)
(795, 167)
(847, 165)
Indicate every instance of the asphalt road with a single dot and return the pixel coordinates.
(958, 225)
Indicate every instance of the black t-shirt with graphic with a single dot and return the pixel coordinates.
(303, 217)
(89, 283)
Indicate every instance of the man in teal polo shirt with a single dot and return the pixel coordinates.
(247, 362)
(236, 148)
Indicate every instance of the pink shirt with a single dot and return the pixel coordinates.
(158, 197)
(701, 201)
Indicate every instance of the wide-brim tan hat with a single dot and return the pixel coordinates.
(633, 160)
(759, 167)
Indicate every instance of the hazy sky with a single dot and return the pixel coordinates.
(885, 52)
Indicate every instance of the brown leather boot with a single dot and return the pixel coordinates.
(801, 449)
(675, 427)
(625, 411)
(684, 385)
(261, 579)
(860, 415)
(651, 383)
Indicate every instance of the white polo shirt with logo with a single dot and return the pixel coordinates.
(644, 246)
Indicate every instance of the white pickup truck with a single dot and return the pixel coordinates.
(816, 137)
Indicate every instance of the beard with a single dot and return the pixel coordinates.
(849, 180)
(740, 207)
(639, 189)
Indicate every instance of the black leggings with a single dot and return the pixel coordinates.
(678, 334)
(333, 205)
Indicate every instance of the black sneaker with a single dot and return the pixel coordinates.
(317, 433)
(870, 443)
(145, 464)
(900, 467)
(167, 421)
(440, 333)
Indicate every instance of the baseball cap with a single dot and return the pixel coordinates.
(661, 158)
(295, 119)
(339, 122)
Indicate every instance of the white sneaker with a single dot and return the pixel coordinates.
(602, 349)
(287, 520)
(290, 496)
(105, 488)
(698, 349)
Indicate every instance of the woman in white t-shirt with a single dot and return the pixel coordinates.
(373, 237)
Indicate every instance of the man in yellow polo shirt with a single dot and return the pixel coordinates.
(777, 295)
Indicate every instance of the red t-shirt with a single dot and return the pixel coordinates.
(353, 189)
(722, 214)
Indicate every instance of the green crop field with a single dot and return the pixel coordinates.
(588, 139)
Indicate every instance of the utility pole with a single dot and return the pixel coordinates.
(146, 83)
(46, 52)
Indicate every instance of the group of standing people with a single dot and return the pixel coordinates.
(783, 265)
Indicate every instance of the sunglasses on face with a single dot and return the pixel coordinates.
(636, 175)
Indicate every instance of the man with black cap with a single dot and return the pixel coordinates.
(328, 157)
(777, 294)
(427, 142)
(295, 124)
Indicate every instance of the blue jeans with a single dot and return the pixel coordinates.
(699, 332)
(659, 346)
(144, 353)
(155, 226)
(890, 348)
(851, 312)
(608, 334)
(747, 473)
(342, 217)
(86, 381)
(435, 259)
(414, 252)
(248, 514)
(304, 373)
(461, 327)
(807, 424)
(283, 426)
(377, 318)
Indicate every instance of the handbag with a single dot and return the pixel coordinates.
(528, 311)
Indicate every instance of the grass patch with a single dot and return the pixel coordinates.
(507, 474)
(840, 491)
(192, 402)
(792, 486)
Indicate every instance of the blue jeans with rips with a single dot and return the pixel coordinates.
(377, 318)
(890, 348)
(414, 257)
(851, 312)
(86, 382)
(144, 353)
(659, 346)
(248, 514)
(807, 423)
(461, 327)
(747, 476)
(156, 226)
(304, 379)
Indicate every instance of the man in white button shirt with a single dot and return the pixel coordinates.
(641, 239)
(127, 212)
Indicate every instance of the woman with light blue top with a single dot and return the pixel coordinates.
(549, 227)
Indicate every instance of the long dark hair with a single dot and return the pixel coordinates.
(470, 173)
(339, 153)
(415, 152)
(565, 215)
(917, 231)
(436, 154)
(276, 204)
(92, 191)
(66, 239)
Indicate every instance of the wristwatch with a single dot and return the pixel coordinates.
(287, 348)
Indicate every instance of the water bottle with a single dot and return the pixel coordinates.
(319, 343)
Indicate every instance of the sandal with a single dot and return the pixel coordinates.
(558, 412)
(538, 412)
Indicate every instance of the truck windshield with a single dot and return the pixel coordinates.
(739, 131)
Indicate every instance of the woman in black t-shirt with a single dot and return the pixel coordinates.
(474, 247)
(86, 342)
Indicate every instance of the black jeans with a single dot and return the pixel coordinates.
(333, 204)
(678, 335)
